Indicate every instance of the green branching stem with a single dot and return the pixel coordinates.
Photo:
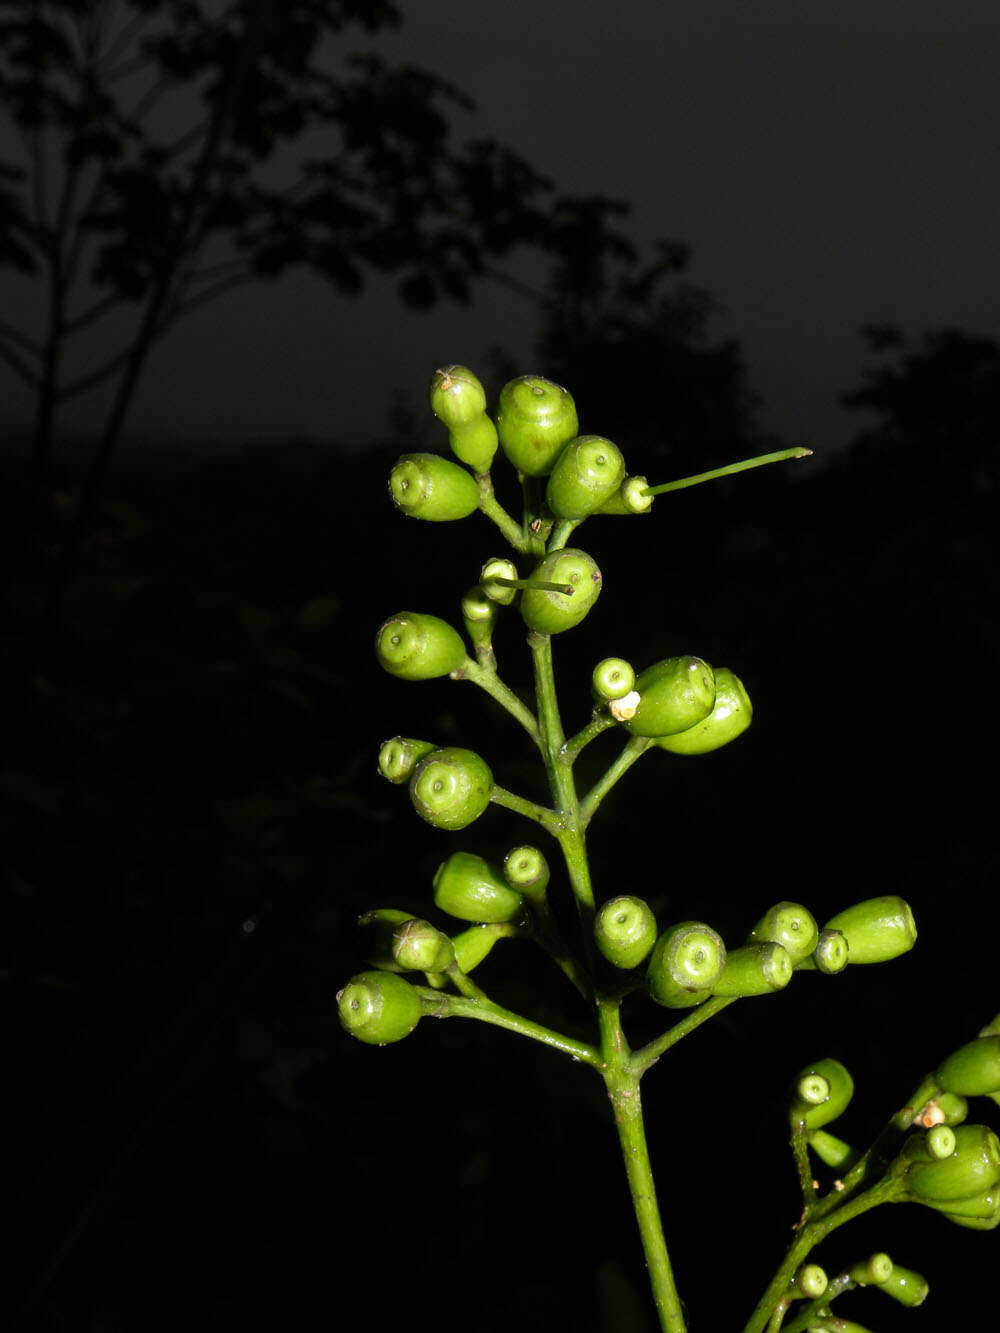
(811, 1234)
(601, 721)
(548, 819)
(634, 749)
(436, 1004)
(562, 532)
(494, 510)
(809, 1315)
(647, 1055)
(800, 1152)
(488, 680)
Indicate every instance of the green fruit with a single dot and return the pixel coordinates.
(686, 962)
(475, 443)
(822, 1092)
(877, 929)
(730, 716)
(809, 1282)
(376, 930)
(625, 931)
(399, 756)
(954, 1107)
(378, 1008)
(415, 646)
(456, 396)
(756, 969)
(905, 1286)
(431, 487)
(466, 886)
(830, 955)
(535, 418)
(613, 678)
(789, 924)
(973, 1070)
(548, 612)
(587, 472)
(417, 946)
(674, 695)
(451, 787)
(527, 871)
(873, 1271)
(972, 1168)
(472, 945)
(629, 498)
(498, 568)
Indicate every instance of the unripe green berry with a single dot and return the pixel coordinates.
(809, 1282)
(415, 646)
(905, 1286)
(399, 756)
(479, 617)
(613, 678)
(451, 787)
(830, 955)
(431, 487)
(417, 946)
(376, 929)
(548, 612)
(756, 969)
(378, 1008)
(973, 1070)
(975, 1223)
(472, 946)
(587, 472)
(873, 1271)
(625, 930)
(877, 929)
(475, 443)
(972, 1168)
(498, 568)
(832, 1151)
(526, 870)
(789, 924)
(953, 1107)
(456, 396)
(468, 887)
(629, 498)
(535, 418)
(730, 716)
(813, 1107)
(983, 1209)
(686, 962)
(940, 1142)
(674, 695)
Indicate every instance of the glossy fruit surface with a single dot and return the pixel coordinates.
(685, 963)
(625, 930)
(526, 869)
(474, 443)
(905, 1286)
(468, 887)
(612, 678)
(451, 787)
(832, 952)
(378, 1008)
(674, 695)
(877, 929)
(415, 646)
(587, 472)
(756, 969)
(629, 498)
(430, 487)
(972, 1168)
(456, 395)
(375, 930)
(792, 926)
(548, 612)
(418, 946)
(973, 1070)
(818, 1111)
(535, 418)
(399, 756)
(730, 716)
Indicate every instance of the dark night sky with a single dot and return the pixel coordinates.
(829, 166)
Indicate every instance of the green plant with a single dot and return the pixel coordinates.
(926, 1153)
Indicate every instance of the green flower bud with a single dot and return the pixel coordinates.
(587, 472)
(613, 678)
(830, 955)
(686, 962)
(434, 488)
(941, 1142)
(417, 946)
(376, 929)
(535, 418)
(378, 1008)
(475, 443)
(972, 1168)
(673, 695)
(479, 615)
(629, 498)
(472, 946)
(789, 924)
(832, 1151)
(954, 1108)
(456, 396)
(730, 716)
(451, 787)
(756, 969)
(905, 1286)
(814, 1106)
(527, 871)
(468, 887)
(414, 646)
(498, 568)
(548, 612)
(809, 1282)
(877, 929)
(873, 1271)
(625, 930)
(399, 756)
(974, 1069)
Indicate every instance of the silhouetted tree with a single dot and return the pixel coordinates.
(147, 178)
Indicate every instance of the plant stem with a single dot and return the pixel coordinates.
(489, 681)
(439, 1005)
(634, 749)
(548, 819)
(601, 721)
(648, 1055)
(744, 466)
(494, 510)
(561, 533)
